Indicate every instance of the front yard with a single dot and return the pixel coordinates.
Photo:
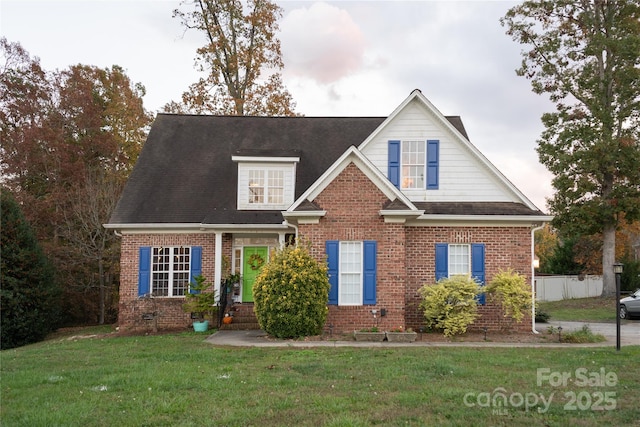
(594, 310)
(177, 379)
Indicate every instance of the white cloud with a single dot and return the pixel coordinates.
(321, 42)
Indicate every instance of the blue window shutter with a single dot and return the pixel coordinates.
(394, 163)
(442, 261)
(144, 271)
(196, 264)
(370, 272)
(332, 248)
(477, 267)
(433, 163)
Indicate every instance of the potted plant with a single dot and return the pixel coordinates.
(369, 334)
(401, 335)
(201, 303)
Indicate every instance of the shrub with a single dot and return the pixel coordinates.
(450, 304)
(202, 301)
(583, 335)
(291, 294)
(512, 292)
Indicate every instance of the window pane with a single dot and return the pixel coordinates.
(276, 187)
(459, 262)
(170, 271)
(413, 158)
(256, 186)
(350, 273)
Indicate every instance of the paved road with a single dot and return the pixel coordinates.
(629, 329)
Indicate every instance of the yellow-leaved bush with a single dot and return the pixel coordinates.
(512, 292)
(291, 294)
(450, 305)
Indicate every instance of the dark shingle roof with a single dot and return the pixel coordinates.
(185, 173)
(475, 208)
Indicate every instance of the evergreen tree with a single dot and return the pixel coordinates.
(29, 295)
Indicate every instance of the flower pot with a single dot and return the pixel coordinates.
(201, 326)
(401, 336)
(368, 336)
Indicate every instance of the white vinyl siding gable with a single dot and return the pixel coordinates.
(265, 186)
(462, 176)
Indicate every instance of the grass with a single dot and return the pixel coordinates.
(179, 380)
(596, 309)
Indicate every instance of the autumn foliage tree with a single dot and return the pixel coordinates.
(586, 56)
(68, 142)
(241, 59)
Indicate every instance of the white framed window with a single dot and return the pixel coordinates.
(459, 259)
(350, 281)
(413, 159)
(265, 186)
(170, 271)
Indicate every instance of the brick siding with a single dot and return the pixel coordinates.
(405, 261)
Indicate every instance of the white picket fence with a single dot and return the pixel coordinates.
(557, 288)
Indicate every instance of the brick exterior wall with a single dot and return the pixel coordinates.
(505, 247)
(169, 310)
(405, 261)
(353, 203)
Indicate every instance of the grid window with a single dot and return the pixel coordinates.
(459, 260)
(275, 187)
(413, 164)
(256, 186)
(170, 271)
(350, 273)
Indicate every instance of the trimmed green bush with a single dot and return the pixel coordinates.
(291, 294)
(450, 304)
(512, 292)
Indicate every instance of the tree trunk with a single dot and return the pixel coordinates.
(608, 258)
(101, 279)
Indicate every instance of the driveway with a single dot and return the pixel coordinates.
(629, 329)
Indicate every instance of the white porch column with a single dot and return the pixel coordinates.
(217, 276)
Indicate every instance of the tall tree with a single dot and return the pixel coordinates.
(63, 135)
(29, 295)
(241, 59)
(586, 56)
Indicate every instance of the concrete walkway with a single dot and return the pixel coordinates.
(630, 335)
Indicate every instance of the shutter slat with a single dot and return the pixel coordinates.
(332, 250)
(393, 161)
(370, 272)
(144, 270)
(442, 261)
(477, 267)
(433, 164)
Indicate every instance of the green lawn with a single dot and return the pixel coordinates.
(581, 309)
(179, 380)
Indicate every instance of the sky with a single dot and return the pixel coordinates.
(341, 58)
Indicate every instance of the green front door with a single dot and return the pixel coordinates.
(254, 258)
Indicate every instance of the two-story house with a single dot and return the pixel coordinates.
(390, 203)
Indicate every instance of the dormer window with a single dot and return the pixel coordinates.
(265, 183)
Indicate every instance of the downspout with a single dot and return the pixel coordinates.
(533, 279)
(116, 233)
(295, 227)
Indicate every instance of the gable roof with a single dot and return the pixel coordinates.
(459, 133)
(352, 155)
(185, 173)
